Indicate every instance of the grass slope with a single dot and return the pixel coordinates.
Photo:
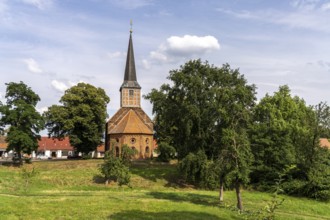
(75, 190)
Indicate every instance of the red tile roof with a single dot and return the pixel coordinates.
(131, 124)
(47, 143)
(324, 142)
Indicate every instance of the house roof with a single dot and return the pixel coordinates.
(46, 143)
(3, 143)
(324, 142)
(131, 123)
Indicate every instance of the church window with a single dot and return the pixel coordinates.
(131, 92)
(147, 150)
(133, 140)
(147, 141)
(117, 151)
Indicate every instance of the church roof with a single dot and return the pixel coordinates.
(131, 123)
(324, 142)
(130, 79)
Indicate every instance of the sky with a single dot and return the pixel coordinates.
(52, 45)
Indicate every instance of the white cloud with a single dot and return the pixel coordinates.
(3, 6)
(239, 14)
(185, 46)
(59, 86)
(114, 55)
(305, 5)
(146, 64)
(40, 4)
(325, 6)
(158, 56)
(32, 65)
(188, 44)
(132, 4)
(42, 109)
(306, 14)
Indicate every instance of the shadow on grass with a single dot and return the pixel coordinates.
(142, 215)
(156, 171)
(186, 197)
(99, 179)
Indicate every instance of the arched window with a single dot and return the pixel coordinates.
(147, 141)
(147, 150)
(117, 151)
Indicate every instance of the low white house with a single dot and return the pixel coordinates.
(54, 148)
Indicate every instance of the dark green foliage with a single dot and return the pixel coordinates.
(196, 169)
(81, 117)
(127, 154)
(206, 109)
(286, 133)
(166, 152)
(115, 169)
(193, 110)
(318, 176)
(193, 167)
(21, 115)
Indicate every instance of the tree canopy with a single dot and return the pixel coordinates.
(20, 114)
(81, 116)
(286, 133)
(191, 112)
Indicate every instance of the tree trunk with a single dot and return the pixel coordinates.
(221, 190)
(20, 161)
(238, 195)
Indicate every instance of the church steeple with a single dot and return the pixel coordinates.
(130, 79)
(130, 89)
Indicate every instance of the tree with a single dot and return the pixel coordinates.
(281, 134)
(190, 113)
(286, 133)
(21, 116)
(206, 109)
(81, 116)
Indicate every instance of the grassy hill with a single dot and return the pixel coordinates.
(75, 190)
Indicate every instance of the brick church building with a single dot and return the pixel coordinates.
(130, 124)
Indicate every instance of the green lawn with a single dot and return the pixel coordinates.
(75, 190)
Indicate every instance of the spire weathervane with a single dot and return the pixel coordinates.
(131, 23)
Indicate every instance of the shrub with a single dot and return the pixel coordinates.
(127, 154)
(166, 152)
(197, 170)
(114, 169)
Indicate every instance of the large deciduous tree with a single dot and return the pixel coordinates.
(24, 121)
(81, 116)
(286, 134)
(206, 109)
(190, 113)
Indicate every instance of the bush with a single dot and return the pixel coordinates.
(166, 152)
(197, 170)
(127, 154)
(294, 187)
(114, 169)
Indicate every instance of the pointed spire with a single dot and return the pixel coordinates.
(130, 72)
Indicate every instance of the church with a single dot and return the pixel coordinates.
(130, 125)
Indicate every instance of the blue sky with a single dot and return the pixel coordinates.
(53, 44)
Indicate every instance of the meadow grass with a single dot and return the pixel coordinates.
(75, 190)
